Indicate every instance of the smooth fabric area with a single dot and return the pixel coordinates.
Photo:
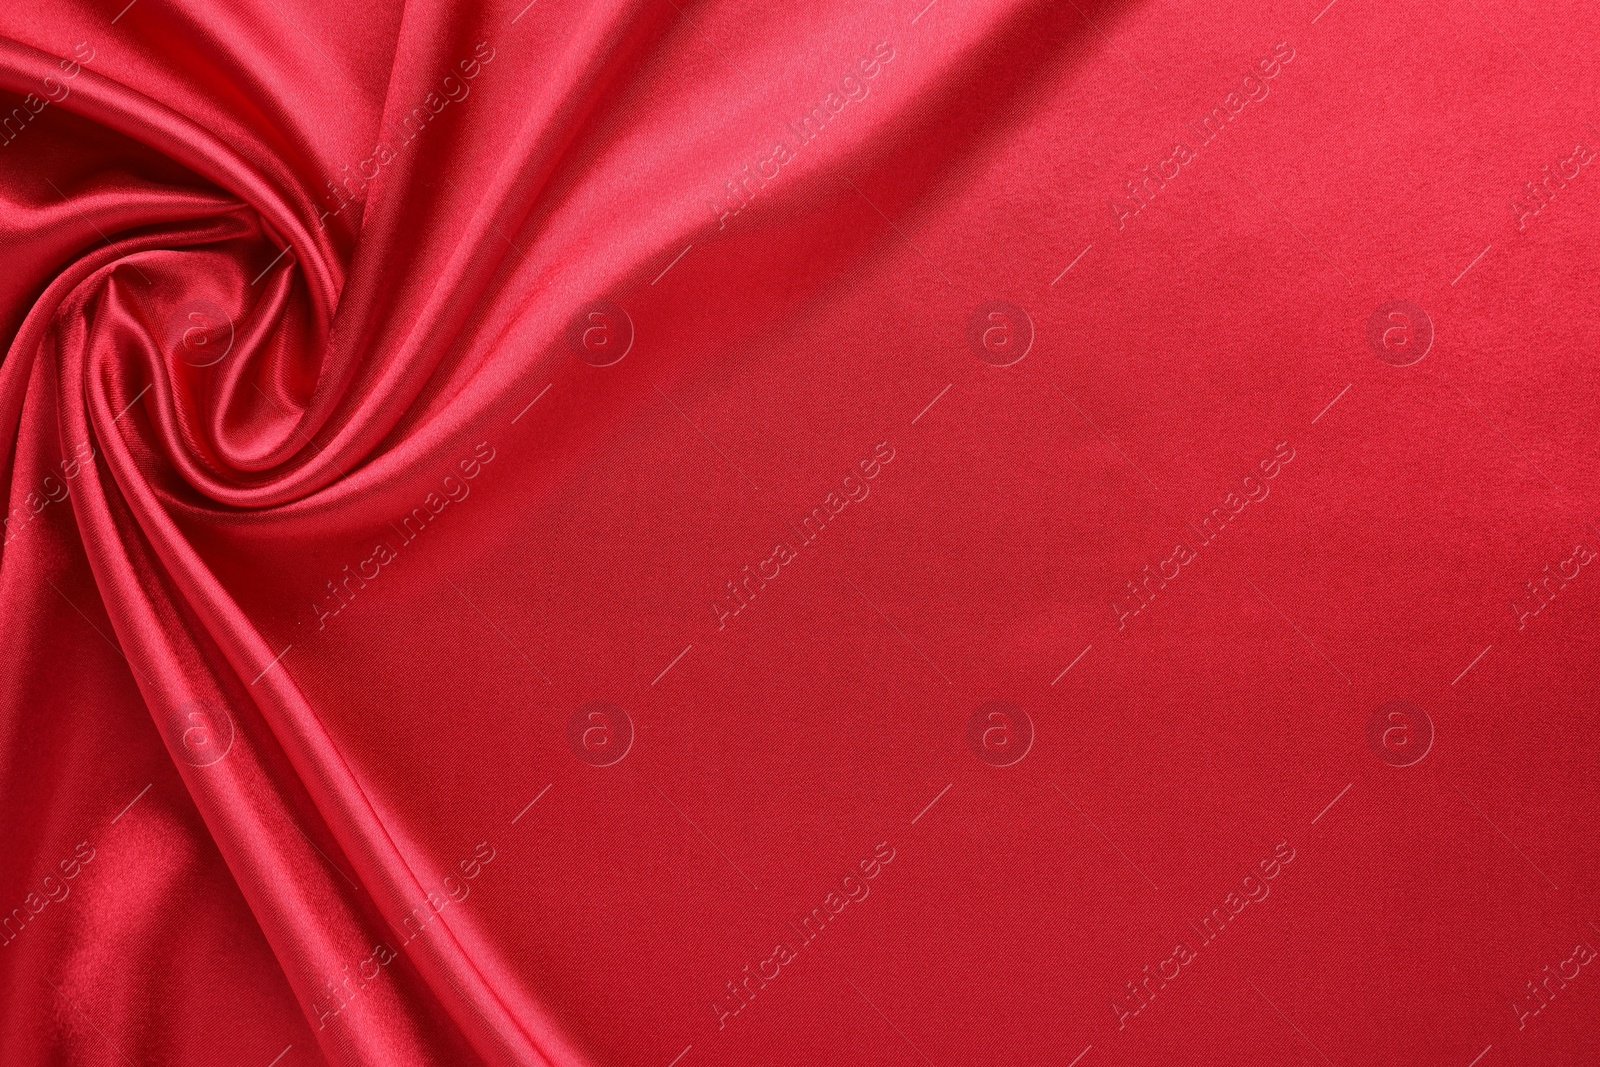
(955, 533)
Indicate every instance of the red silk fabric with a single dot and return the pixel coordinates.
(960, 532)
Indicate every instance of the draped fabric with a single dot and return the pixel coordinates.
(691, 532)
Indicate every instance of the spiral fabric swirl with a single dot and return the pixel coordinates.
(967, 532)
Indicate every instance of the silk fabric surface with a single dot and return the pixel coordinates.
(930, 533)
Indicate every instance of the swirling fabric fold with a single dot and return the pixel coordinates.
(557, 533)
